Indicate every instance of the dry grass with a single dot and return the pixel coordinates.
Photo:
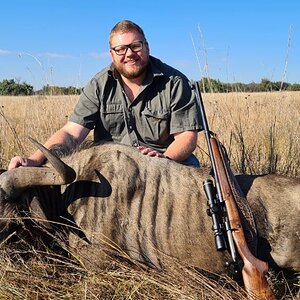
(43, 274)
(36, 116)
(59, 278)
(261, 133)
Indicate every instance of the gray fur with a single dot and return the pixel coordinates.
(150, 207)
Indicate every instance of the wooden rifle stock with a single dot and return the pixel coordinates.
(254, 270)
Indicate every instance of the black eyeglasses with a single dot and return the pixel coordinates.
(134, 47)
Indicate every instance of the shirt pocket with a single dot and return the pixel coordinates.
(112, 118)
(155, 126)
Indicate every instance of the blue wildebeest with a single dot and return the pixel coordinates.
(148, 206)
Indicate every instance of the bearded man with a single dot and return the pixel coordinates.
(138, 100)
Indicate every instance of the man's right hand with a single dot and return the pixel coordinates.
(76, 131)
(19, 161)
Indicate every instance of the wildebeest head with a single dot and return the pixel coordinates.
(13, 183)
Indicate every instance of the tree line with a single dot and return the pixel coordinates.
(10, 87)
(266, 85)
(14, 88)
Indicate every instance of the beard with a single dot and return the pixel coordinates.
(131, 73)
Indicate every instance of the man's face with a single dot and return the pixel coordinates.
(131, 64)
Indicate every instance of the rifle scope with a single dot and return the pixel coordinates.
(214, 212)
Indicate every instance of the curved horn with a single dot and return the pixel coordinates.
(66, 173)
(13, 182)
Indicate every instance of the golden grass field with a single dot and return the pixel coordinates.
(261, 132)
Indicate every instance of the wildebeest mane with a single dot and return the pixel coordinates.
(71, 146)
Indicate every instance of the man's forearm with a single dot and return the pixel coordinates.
(58, 137)
(71, 129)
(183, 146)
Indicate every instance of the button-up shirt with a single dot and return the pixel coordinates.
(164, 106)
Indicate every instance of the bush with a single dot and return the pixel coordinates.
(12, 88)
(216, 86)
(294, 87)
(59, 90)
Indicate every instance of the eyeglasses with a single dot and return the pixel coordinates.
(134, 47)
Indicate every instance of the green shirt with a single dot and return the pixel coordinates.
(165, 105)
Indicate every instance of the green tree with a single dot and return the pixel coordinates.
(59, 90)
(294, 87)
(268, 86)
(9, 87)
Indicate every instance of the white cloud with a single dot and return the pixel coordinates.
(56, 55)
(97, 55)
(6, 52)
(53, 55)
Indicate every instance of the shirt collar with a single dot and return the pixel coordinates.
(154, 69)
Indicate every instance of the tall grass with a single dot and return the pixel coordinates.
(261, 134)
(261, 131)
(29, 272)
(50, 276)
(35, 116)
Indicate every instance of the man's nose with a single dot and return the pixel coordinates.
(129, 51)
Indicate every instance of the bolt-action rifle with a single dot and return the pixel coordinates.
(227, 224)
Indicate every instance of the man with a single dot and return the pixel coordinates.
(138, 101)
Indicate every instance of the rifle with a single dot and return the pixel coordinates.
(227, 225)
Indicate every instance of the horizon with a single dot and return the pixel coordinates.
(225, 83)
(65, 43)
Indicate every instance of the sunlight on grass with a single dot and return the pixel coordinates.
(261, 132)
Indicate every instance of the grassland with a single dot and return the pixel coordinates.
(261, 132)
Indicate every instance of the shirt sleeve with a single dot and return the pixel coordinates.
(185, 113)
(86, 112)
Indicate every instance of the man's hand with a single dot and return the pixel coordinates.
(19, 161)
(150, 152)
(61, 136)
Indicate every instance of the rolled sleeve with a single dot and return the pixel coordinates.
(86, 111)
(184, 109)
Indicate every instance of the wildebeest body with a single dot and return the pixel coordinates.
(151, 207)
(274, 200)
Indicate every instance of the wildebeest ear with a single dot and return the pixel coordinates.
(2, 171)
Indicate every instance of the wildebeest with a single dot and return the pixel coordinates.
(148, 206)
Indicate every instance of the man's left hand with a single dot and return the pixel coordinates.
(150, 151)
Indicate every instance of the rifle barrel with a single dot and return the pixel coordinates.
(207, 137)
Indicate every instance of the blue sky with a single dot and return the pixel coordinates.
(65, 42)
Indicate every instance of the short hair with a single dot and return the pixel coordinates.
(126, 26)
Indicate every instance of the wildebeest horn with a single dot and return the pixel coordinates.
(13, 182)
(66, 173)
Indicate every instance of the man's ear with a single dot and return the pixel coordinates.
(147, 46)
